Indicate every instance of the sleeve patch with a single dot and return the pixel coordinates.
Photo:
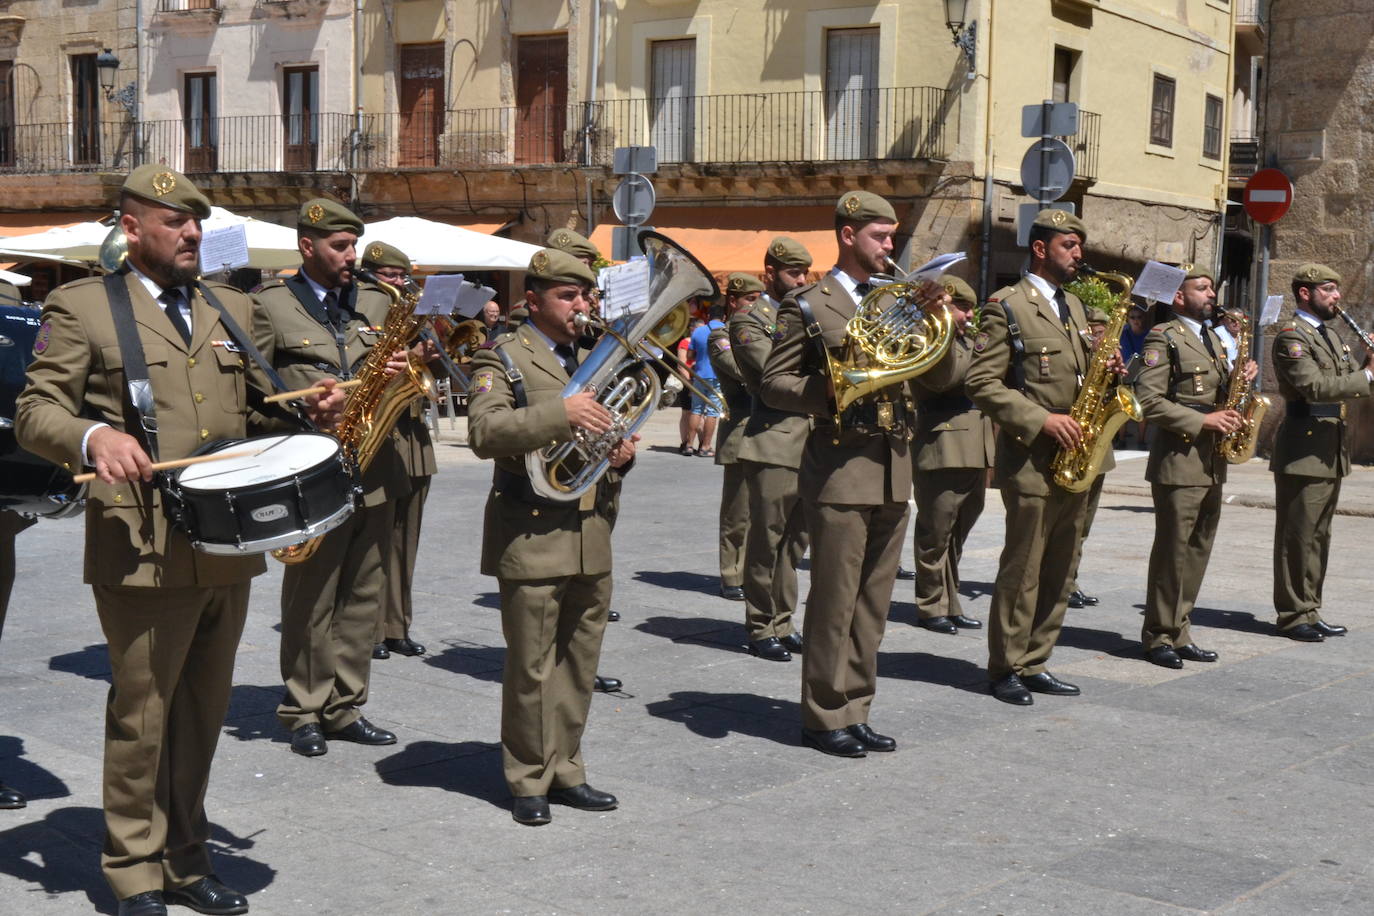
(980, 341)
(482, 381)
(40, 343)
(1295, 350)
(1150, 357)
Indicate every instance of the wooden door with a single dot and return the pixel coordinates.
(422, 104)
(541, 97)
(201, 126)
(851, 93)
(301, 130)
(672, 89)
(85, 110)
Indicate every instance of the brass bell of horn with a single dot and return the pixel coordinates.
(114, 248)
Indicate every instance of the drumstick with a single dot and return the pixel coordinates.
(304, 392)
(179, 463)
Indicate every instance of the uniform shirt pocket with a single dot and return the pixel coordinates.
(230, 385)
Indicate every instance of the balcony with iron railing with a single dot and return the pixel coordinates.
(911, 123)
(1085, 145)
(1251, 13)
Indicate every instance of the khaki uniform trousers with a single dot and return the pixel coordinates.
(855, 550)
(774, 544)
(948, 503)
(734, 520)
(1185, 525)
(553, 630)
(398, 610)
(1089, 514)
(1302, 540)
(329, 607)
(10, 526)
(1030, 596)
(172, 667)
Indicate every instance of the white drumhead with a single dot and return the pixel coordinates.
(268, 458)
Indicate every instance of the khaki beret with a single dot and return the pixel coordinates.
(554, 266)
(573, 243)
(1197, 272)
(166, 187)
(864, 207)
(1061, 221)
(959, 290)
(1316, 274)
(380, 254)
(325, 215)
(742, 284)
(789, 252)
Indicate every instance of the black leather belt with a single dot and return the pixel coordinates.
(1301, 409)
(1202, 408)
(871, 418)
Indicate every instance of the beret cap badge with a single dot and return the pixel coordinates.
(164, 183)
(851, 203)
(779, 249)
(540, 262)
(375, 252)
(315, 213)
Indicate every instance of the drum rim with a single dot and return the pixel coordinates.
(290, 538)
(195, 485)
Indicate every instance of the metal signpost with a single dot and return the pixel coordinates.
(634, 197)
(1047, 169)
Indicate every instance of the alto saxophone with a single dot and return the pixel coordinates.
(377, 402)
(1239, 447)
(1103, 404)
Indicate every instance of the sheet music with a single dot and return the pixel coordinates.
(1272, 306)
(440, 295)
(1158, 282)
(625, 290)
(471, 298)
(224, 248)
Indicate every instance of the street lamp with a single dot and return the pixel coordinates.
(966, 39)
(107, 65)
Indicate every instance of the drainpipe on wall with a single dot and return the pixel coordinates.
(587, 145)
(356, 75)
(137, 111)
(988, 188)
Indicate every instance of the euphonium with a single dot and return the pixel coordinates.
(377, 403)
(895, 340)
(1239, 447)
(1103, 404)
(620, 371)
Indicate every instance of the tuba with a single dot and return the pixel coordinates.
(620, 371)
(1103, 404)
(377, 403)
(1239, 447)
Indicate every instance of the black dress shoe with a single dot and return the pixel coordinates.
(871, 739)
(1010, 690)
(380, 652)
(585, 798)
(1329, 629)
(1195, 653)
(308, 741)
(770, 648)
(606, 684)
(838, 742)
(1076, 599)
(937, 625)
(208, 895)
(148, 903)
(612, 616)
(732, 592)
(792, 642)
(1044, 682)
(11, 798)
(1088, 600)
(362, 731)
(905, 574)
(1164, 657)
(966, 623)
(532, 810)
(405, 646)
(1303, 632)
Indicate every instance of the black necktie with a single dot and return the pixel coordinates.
(1207, 342)
(332, 311)
(862, 289)
(1326, 336)
(567, 356)
(1063, 304)
(171, 300)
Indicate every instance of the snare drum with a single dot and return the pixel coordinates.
(287, 489)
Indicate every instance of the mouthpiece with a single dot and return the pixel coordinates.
(1084, 267)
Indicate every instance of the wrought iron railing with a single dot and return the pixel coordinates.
(186, 6)
(1086, 145)
(1251, 12)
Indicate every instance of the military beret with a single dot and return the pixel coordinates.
(1316, 274)
(1061, 221)
(325, 215)
(1197, 272)
(959, 290)
(555, 266)
(573, 243)
(864, 207)
(789, 252)
(742, 284)
(167, 188)
(380, 254)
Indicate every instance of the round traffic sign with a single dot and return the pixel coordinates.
(1268, 195)
(633, 199)
(1047, 169)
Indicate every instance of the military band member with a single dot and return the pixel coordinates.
(855, 481)
(1317, 374)
(950, 457)
(552, 560)
(770, 454)
(741, 292)
(172, 617)
(391, 265)
(1182, 388)
(1029, 358)
(323, 320)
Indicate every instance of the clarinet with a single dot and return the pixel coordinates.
(1360, 332)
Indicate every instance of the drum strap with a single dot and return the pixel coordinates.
(135, 363)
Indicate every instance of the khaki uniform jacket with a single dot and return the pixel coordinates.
(77, 380)
(305, 351)
(1055, 360)
(949, 435)
(1308, 371)
(1182, 455)
(771, 436)
(522, 540)
(839, 466)
(730, 429)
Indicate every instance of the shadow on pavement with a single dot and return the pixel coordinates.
(943, 670)
(28, 777)
(1148, 510)
(680, 581)
(1104, 641)
(470, 768)
(1231, 620)
(92, 662)
(481, 662)
(724, 634)
(716, 715)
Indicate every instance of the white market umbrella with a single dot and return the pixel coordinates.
(270, 247)
(438, 246)
(10, 276)
(78, 244)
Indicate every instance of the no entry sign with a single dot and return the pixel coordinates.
(1268, 195)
